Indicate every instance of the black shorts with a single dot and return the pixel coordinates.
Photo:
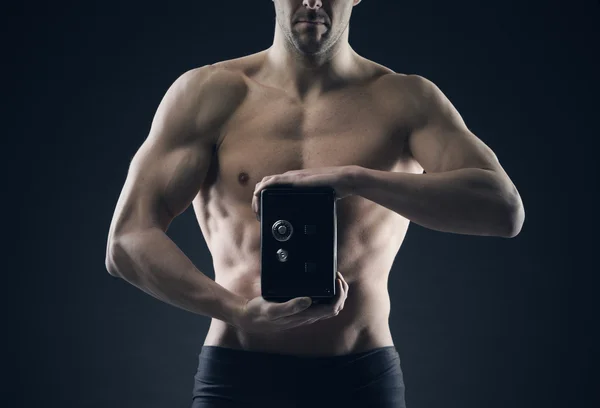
(237, 378)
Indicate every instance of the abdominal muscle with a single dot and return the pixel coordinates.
(361, 325)
(368, 239)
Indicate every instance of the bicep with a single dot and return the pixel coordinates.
(440, 140)
(169, 168)
(162, 183)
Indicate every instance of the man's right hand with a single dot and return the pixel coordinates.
(261, 316)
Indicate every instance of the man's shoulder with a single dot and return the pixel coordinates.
(210, 92)
(401, 84)
(214, 81)
(233, 72)
(412, 93)
(206, 97)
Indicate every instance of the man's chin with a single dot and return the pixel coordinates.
(310, 49)
(310, 52)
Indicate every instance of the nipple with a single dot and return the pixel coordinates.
(243, 178)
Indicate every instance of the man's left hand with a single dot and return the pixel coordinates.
(340, 178)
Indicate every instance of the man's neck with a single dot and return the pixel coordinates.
(305, 75)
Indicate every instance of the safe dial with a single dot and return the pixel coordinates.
(282, 230)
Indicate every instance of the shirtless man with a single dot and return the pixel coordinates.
(308, 111)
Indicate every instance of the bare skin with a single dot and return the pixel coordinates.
(342, 127)
(223, 128)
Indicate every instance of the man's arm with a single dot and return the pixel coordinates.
(163, 178)
(465, 189)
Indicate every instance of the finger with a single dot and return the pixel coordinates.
(334, 308)
(256, 199)
(340, 303)
(310, 313)
(255, 208)
(346, 286)
(316, 312)
(326, 310)
(255, 196)
(323, 312)
(345, 295)
(289, 308)
(342, 278)
(290, 322)
(261, 185)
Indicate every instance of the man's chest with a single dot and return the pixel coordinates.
(271, 134)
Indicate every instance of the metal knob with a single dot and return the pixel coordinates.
(282, 255)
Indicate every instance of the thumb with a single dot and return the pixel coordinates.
(294, 306)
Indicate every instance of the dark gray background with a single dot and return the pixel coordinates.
(478, 322)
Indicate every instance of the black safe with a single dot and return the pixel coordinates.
(298, 243)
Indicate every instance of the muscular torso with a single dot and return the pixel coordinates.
(272, 132)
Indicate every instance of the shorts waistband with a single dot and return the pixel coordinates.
(227, 354)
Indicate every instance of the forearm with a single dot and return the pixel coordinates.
(151, 261)
(466, 201)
